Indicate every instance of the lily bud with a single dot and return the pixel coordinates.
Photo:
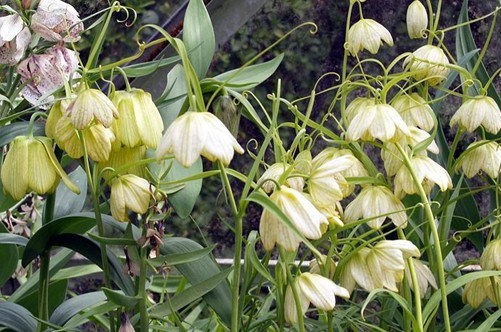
(30, 165)
(139, 121)
(15, 37)
(129, 192)
(417, 20)
(57, 21)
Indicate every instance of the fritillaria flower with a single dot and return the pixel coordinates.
(423, 274)
(481, 156)
(30, 165)
(417, 20)
(56, 21)
(367, 34)
(129, 192)
(139, 121)
(477, 291)
(380, 121)
(45, 73)
(414, 111)
(119, 159)
(479, 111)
(428, 63)
(275, 172)
(316, 268)
(379, 202)
(91, 106)
(198, 133)
(315, 289)
(491, 257)
(14, 39)
(358, 105)
(302, 214)
(428, 173)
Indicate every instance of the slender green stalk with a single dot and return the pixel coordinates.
(430, 218)
(295, 292)
(143, 312)
(43, 291)
(486, 44)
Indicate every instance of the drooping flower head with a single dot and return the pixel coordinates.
(424, 276)
(414, 111)
(129, 192)
(479, 111)
(428, 63)
(417, 20)
(55, 20)
(14, 39)
(481, 156)
(369, 35)
(91, 106)
(275, 172)
(198, 133)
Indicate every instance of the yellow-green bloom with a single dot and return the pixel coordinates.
(380, 121)
(129, 192)
(30, 165)
(423, 275)
(481, 156)
(275, 172)
(379, 202)
(428, 63)
(358, 105)
(198, 133)
(417, 20)
(123, 157)
(315, 289)
(491, 257)
(369, 35)
(477, 291)
(414, 111)
(479, 111)
(139, 121)
(91, 105)
(428, 173)
(303, 215)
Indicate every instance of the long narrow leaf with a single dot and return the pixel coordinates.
(16, 318)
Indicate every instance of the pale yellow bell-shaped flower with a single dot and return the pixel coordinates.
(139, 121)
(303, 215)
(424, 276)
(481, 156)
(380, 121)
(326, 184)
(91, 106)
(479, 111)
(356, 272)
(126, 156)
(275, 172)
(129, 192)
(198, 133)
(417, 20)
(369, 35)
(428, 63)
(31, 165)
(315, 289)
(477, 291)
(428, 173)
(414, 111)
(358, 105)
(491, 257)
(376, 201)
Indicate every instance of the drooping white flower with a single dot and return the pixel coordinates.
(417, 20)
(481, 156)
(428, 63)
(315, 289)
(424, 276)
(129, 192)
(302, 214)
(14, 39)
(428, 173)
(376, 201)
(414, 111)
(275, 172)
(479, 111)
(91, 106)
(358, 105)
(380, 121)
(198, 133)
(367, 34)
(56, 20)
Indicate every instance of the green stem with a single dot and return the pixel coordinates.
(144, 319)
(295, 292)
(43, 289)
(486, 44)
(436, 239)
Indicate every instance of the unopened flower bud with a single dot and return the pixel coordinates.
(125, 324)
(15, 37)
(226, 111)
(30, 165)
(55, 20)
(417, 20)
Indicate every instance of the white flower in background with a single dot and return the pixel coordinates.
(46, 73)
(56, 21)
(302, 214)
(129, 192)
(428, 63)
(375, 201)
(424, 276)
(358, 105)
(15, 37)
(367, 34)
(479, 111)
(379, 121)
(274, 172)
(481, 156)
(417, 20)
(315, 289)
(414, 111)
(198, 133)
(428, 173)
